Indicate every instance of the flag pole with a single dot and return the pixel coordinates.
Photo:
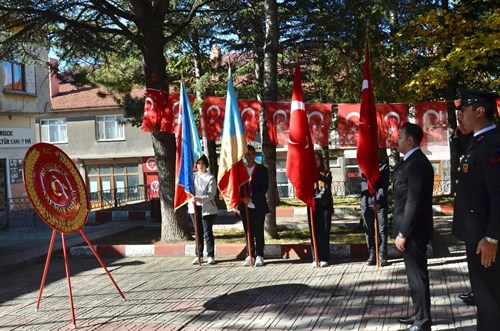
(249, 240)
(375, 225)
(313, 234)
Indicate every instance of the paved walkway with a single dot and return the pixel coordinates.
(168, 293)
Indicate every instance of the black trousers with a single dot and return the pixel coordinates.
(415, 258)
(485, 283)
(257, 219)
(204, 226)
(322, 228)
(369, 225)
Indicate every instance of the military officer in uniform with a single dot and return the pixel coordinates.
(476, 217)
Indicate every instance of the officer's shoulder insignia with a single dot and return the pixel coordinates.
(494, 155)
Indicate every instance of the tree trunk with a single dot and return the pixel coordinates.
(174, 226)
(209, 147)
(270, 94)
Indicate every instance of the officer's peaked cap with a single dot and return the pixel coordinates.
(469, 97)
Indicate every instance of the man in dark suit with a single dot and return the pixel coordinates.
(254, 198)
(412, 225)
(476, 217)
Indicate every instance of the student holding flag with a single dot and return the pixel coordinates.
(301, 164)
(188, 150)
(254, 200)
(323, 211)
(205, 188)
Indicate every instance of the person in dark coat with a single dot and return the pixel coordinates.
(254, 197)
(323, 212)
(476, 217)
(459, 143)
(413, 223)
(376, 205)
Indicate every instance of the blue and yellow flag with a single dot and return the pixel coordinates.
(232, 171)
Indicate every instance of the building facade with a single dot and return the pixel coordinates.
(114, 158)
(24, 96)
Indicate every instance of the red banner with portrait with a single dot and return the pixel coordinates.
(390, 118)
(432, 117)
(212, 117)
(278, 121)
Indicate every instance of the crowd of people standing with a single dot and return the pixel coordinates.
(476, 218)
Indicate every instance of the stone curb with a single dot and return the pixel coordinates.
(284, 251)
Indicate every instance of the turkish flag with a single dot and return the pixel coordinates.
(171, 112)
(153, 109)
(278, 121)
(391, 117)
(367, 153)
(348, 122)
(212, 116)
(250, 112)
(432, 117)
(318, 115)
(301, 166)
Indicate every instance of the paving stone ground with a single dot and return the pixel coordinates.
(168, 293)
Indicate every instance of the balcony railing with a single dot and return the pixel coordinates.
(119, 196)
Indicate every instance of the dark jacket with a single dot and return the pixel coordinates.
(381, 187)
(477, 201)
(259, 184)
(413, 187)
(323, 197)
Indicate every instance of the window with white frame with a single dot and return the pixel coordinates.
(110, 127)
(54, 130)
(13, 76)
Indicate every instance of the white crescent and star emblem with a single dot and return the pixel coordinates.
(250, 110)
(212, 119)
(316, 113)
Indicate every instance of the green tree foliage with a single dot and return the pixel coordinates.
(459, 46)
(100, 32)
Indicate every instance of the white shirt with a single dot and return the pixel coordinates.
(200, 183)
(250, 172)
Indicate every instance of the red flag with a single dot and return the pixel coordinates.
(391, 117)
(367, 153)
(172, 112)
(301, 166)
(212, 115)
(278, 121)
(432, 117)
(153, 109)
(348, 123)
(318, 115)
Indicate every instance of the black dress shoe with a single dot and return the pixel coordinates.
(470, 301)
(417, 328)
(406, 320)
(465, 296)
(384, 263)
